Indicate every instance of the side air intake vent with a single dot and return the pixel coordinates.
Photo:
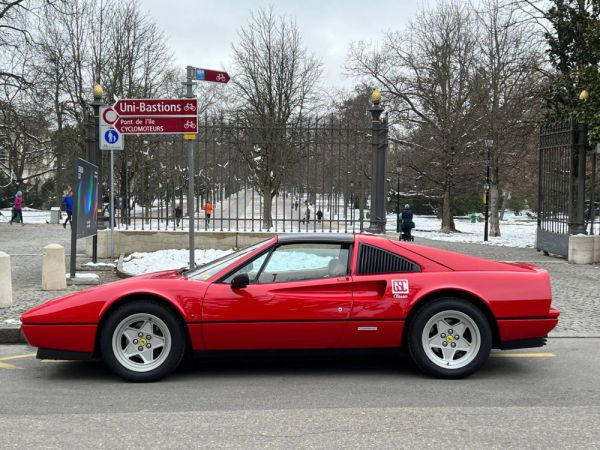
(372, 260)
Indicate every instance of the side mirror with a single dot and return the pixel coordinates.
(240, 281)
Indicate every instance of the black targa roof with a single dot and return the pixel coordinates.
(346, 238)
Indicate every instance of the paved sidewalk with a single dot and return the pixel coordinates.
(25, 245)
(576, 288)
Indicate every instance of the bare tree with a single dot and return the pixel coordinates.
(427, 74)
(508, 77)
(275, 78)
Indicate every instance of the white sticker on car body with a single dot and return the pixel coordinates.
(400, 288)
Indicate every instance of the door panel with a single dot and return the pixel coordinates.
(301, 314)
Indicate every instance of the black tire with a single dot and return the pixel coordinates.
(174, 335)
(430, 361)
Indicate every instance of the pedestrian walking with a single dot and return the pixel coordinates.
(319, 215)
(407, 224)
(178, 215)
(208, 209)
(67, 204)
(17, 210)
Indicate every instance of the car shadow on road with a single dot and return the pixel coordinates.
(235, 364)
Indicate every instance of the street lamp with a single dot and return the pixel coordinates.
(379, 147)
(94, 154)
(489, 143)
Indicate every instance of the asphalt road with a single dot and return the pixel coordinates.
(539, 398)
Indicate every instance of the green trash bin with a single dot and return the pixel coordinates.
(473, 218)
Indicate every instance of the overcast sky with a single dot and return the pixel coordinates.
(200, 32)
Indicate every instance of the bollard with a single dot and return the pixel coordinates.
(5, 281)
(53, 268)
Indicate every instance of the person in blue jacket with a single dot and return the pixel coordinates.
(67, 204)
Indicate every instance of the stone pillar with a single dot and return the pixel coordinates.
(5, 281)
(597, 249)
(581, 249)
(53, 268)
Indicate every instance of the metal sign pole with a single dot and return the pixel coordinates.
(191, 170)
(112, 204)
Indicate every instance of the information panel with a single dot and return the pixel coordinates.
(85, 198)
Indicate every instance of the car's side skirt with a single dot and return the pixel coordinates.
(302, 334)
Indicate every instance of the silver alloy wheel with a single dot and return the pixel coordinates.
(451, 339)
(141, 342)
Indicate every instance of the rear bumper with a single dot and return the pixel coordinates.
(529, 331)
(71, 338)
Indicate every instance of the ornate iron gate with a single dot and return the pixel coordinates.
(557, 185)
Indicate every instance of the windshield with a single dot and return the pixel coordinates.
(206, 271)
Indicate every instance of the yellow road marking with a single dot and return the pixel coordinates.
(8, 366)
(522, 355)
(26, 355)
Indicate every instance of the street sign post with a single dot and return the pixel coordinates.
(216, 76)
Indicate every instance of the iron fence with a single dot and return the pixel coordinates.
(309, 176)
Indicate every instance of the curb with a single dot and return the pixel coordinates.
(119, 269)
(11, 335)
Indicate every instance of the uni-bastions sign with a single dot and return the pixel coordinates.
(154, 116)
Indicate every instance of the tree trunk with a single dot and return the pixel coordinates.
(447, 218)
(494, 203)
(267, 207)
(505, 198)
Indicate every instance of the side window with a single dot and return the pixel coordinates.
(306, 261)
(373, 260)
(251, 269)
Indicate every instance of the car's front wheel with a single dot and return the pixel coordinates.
(449, 338)
(142, 341)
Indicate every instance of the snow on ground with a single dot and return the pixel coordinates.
(84, 276)
(141, 262)
(147, 262)
(517, 231)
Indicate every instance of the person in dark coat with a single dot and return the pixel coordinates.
(319, 215)
(407, 224)
(178, 215)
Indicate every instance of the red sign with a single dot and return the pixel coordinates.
(157, 125)
(152, 107)
(212, 75)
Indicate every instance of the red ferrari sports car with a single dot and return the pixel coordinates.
(308, 291)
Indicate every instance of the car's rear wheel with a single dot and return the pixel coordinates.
(142, 341)
(449, 338)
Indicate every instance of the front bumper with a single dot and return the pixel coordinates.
(72, 338)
